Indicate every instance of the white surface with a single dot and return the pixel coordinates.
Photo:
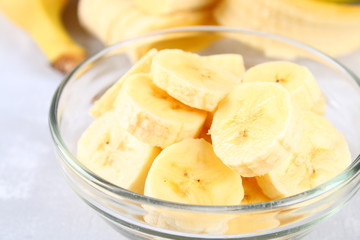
(35, 202)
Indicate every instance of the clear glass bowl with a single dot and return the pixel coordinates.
(288, 218)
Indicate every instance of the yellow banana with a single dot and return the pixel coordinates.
(42, 20)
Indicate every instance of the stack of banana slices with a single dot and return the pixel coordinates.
(328, 26)
(114, 20)
(201, 130)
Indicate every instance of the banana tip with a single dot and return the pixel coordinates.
(65, 63)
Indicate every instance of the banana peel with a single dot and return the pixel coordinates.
(42, 20)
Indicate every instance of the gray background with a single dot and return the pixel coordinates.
(35, 202)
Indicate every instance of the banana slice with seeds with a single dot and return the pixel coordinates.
(115, 155)
(191, 79)
(189, 172)
(321, 155)
(255, 128)
(153, 116)
(295, 78)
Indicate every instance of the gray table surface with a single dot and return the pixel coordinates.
(35, 201)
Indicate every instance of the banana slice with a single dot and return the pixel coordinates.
(115, 155)
(255, 128)
(321, 155)
(295, 78)
(144, 23)
(189, 172)
(191, 79)
(161, 7)
(106, 102)
(154, 117)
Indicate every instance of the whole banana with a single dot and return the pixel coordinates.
(42, 20)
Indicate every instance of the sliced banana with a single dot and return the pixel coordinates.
(321, 155)
(143, 23)
(115, 155)
(295, 78)
(191, 79)
(106, 102)
(189, 172)
(99, 16)
(311, 22)
(153, 116)
(255, 128)
(161, 7)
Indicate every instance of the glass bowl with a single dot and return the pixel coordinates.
(287, 218)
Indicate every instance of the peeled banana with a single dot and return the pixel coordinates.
(42, 20)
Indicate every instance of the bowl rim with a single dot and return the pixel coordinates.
(350, 173)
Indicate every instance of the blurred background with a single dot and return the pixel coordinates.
(41, 40)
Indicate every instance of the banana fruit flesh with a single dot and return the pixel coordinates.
(330, 27)
(161, 7)
(106, 102)
(114, 20)
(321, 154)
(99, 17)
(42, 20)
(189, 172)
(297, 79)
(153, 116)
(255, 128)
(115, 155)
(193, 80)
(178, 175)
